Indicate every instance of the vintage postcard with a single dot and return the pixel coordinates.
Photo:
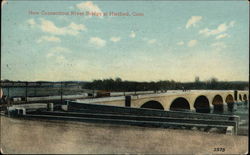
(124, 77)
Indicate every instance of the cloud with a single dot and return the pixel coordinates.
(71, 29)
(31, 22)
(218, 45)
(57, 53)
(231, 24)
(98, 42)
(192, 21)
(149, 41)
(76, 27)
(221, 28)
(61, 59)
(152, 41)
(57, 50)
(222, 36)
(115, 39)
(132, 34)
(89, 6)
(49, 39)
(192, 43)
(180, 43)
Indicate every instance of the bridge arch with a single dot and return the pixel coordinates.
(240, 97)
(218, 103)
(180, 104)
(245, 97)
(201, 104)
(230, 102)
(153, 105)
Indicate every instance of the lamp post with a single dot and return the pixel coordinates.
(26, 91)
(61, 93)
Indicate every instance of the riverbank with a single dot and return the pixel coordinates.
(27, 136)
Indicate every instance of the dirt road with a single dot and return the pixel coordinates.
(27, 136)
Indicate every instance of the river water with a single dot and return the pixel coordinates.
(242, 110)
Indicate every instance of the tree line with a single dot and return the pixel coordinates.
(119, 85)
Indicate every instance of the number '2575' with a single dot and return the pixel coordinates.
(220, 149)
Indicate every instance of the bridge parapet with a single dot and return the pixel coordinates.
(193, 99)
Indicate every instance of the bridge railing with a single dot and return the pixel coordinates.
(95, 108)
(124, 115)
(73, 105)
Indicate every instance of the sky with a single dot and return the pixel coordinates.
(160, 40)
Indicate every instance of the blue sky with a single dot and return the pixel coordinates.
(171, 41)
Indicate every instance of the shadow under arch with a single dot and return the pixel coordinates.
(230, 102)
(153, 105)
(240, 97)
(180, 104)
(245, 97)
(217, 103)
(201, 104)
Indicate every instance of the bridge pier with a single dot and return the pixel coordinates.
(192, 109)
(225, 107)
(211, 108)
(50, 106)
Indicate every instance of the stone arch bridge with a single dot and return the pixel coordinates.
(195, 100)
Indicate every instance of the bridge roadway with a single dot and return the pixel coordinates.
(195, 100)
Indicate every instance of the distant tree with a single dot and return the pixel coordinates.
(118, 85)
(213, 83)
(6, 80)
(197, 79)
(214, 80)
(118, 79)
